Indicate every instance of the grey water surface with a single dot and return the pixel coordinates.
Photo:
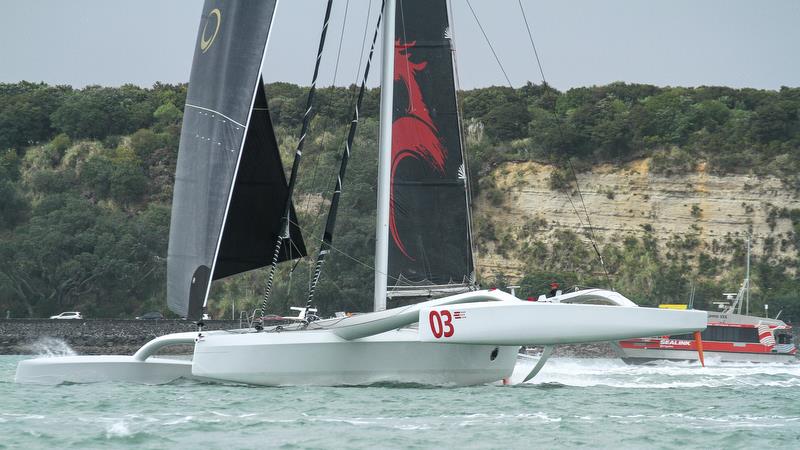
(598, 403)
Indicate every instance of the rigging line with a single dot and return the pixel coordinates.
(575, 209)
(569, 161)
(317, 155)
(329, 180)
(348, 256)
(327, 235)
(363, 44)
(354, 85)
(491, 47)
(353, 95)
(284, 234)
(530, 36)
(324, 145)
(354, 92)
(462, 134)
(341, 39)
(589, 222)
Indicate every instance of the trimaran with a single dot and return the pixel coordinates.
(232, 212)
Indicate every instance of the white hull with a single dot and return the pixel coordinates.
(291, 358)
(95, 369)
(515, 322)
(320, 357)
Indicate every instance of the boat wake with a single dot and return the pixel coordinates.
(664, 375)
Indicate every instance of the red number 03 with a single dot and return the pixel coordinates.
(441, 323)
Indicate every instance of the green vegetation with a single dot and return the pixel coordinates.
(733, 130)
(86, 184)
(651, 274)
(84, 197)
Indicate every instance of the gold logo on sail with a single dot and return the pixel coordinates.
(205, 43)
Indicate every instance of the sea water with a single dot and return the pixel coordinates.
(598, 403)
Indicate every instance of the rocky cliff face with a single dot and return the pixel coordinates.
(707, 212)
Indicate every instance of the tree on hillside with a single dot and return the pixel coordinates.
(25, 112)
(96, 112)
(507, 121)
(72, 255)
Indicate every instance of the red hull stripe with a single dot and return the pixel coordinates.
(710, 346)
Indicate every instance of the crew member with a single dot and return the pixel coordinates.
(553, 289)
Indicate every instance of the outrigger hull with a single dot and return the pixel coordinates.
(96, 369)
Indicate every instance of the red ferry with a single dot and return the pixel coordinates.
(730, 336)
(737, 338)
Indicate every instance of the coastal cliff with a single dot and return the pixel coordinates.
(661, 235)
(709, 210)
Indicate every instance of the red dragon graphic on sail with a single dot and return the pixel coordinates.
(414, 135)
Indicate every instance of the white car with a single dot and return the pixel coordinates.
(68, 315)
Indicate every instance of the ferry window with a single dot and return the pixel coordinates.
(683, 337)
(783, 339)
(730, 334)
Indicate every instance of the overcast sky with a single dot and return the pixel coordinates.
(581, 42)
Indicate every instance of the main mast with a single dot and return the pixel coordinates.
(385, 159)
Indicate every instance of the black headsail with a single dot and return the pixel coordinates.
(229, 185)
(429, 246)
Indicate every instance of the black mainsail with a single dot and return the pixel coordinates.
(230, 186)
(430, 245)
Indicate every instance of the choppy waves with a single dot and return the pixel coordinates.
(661, 375)
(573, 402)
